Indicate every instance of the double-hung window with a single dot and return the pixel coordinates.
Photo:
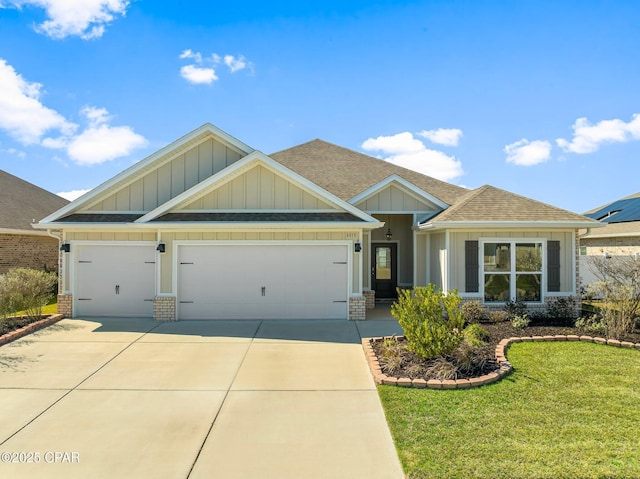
(512, 270)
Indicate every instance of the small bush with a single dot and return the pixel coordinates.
(473, 312)
(431, 320)
(467, 358)
(520, 321)
(26, 289)
(498, 316)
(475, 335)
(442, 369)
(562, 308)
(515, 308)
(592, 324)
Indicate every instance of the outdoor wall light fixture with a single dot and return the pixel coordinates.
(66, 247)
(357, 247)
(160, 248)
(389, 234)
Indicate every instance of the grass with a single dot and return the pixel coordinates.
(570, 410)
(48, 309)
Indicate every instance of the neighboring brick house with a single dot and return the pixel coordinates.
(22, 203)
(620, 235)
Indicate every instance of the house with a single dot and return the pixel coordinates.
(21, 246)
(619, 236)
(209, 228)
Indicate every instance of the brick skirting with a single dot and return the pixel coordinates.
(370, 299)
(164, 308)
(65, 305)
(29, 328)
(357, 308)
(505, 366)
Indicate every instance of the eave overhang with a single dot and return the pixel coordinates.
(443, 225)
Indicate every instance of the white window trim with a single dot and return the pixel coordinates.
(513, 272)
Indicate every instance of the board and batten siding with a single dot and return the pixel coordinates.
(393, 198)
(422, 277)
(258, 189)
(401, 229)
(171, 179)
(457, 253)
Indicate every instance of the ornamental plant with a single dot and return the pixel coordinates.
(431, 320)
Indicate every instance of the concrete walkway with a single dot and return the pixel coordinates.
(194, 399)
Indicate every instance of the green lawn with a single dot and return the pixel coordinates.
(48, 309)
(569, 410)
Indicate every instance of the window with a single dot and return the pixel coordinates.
(512, 270)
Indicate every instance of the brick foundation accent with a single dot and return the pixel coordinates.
(357, 308)
(164, 308)
(65, 305)
(370, 299)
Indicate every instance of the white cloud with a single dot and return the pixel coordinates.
(442, 136)
(22, 115)
(236, 64)
(99, 141)
(588, 137)
(202, 70)
(84, 18)
(528, 153)
(73, 194)
(198, 75)
(406, 151)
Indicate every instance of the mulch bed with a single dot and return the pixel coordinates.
(414, 367)
(11, 324)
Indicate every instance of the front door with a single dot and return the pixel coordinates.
(383, 270)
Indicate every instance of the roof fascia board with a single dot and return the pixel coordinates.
(508, 224)
(238, 168)
(93, 196)
(220, 226)
(11, 231)
(410, 188)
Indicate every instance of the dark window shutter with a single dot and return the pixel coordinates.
(471, 266)
(553, 265)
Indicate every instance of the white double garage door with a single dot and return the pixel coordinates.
(228, 281)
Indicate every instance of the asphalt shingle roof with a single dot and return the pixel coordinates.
(22, 202)
(347, 173)
(489, 203)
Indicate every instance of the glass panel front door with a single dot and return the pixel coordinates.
(383, 270)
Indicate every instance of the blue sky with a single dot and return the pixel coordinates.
(539, 98)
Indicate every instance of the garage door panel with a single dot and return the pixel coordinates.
(115, 280)
(227, 281)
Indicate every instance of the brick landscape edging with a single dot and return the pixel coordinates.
(30, 328)
(505, 366)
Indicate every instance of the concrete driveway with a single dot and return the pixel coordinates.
(194, 399)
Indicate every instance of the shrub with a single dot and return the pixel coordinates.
(431, 320)
(498, 316)
(26, 289)
(520, 321)
(442, 369)
(620, 307)
(562, 308)
(515, 308)
(473, 312)
(592, 324)
(467, 357)
(475, 335)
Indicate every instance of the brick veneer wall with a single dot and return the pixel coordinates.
(622, 245)
(28, 251)
(65, 305)
(164, 308)
(357, 308)
(370, 299)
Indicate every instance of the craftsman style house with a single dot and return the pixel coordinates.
(209, 228)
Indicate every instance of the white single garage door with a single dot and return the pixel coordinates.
(114, 280)
(262, 282)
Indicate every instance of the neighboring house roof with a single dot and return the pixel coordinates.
(22, 203)
(619, 218)
(620, 211)
(347, 173)
(491, 205)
